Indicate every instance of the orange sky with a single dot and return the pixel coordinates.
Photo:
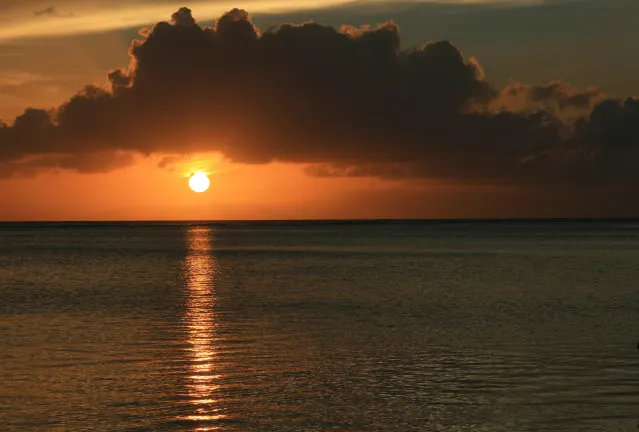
(146, 192)
(238, 192)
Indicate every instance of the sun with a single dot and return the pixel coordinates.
(199, 182)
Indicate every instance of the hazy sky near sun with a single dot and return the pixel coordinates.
(51, 49)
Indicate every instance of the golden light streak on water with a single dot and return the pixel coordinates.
(200, 322)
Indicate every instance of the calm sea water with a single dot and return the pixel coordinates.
(320, 326)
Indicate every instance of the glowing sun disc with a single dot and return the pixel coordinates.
(199, 182)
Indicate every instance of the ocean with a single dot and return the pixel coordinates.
(320, 326)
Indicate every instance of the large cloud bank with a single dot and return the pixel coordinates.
(347, 102)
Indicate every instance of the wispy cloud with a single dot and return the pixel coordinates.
(93, 18)
(9, 78)
(51, 11)
(99, 16)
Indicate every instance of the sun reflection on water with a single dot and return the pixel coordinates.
(200, 321)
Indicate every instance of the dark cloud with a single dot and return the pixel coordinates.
(48, 11)
(555, 96)
(51, 11)
(169, 162)
(348, 102)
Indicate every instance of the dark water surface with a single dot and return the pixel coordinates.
(320, 326)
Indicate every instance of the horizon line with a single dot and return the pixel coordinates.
(333, 220)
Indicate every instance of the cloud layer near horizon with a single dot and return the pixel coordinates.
(346, 102)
